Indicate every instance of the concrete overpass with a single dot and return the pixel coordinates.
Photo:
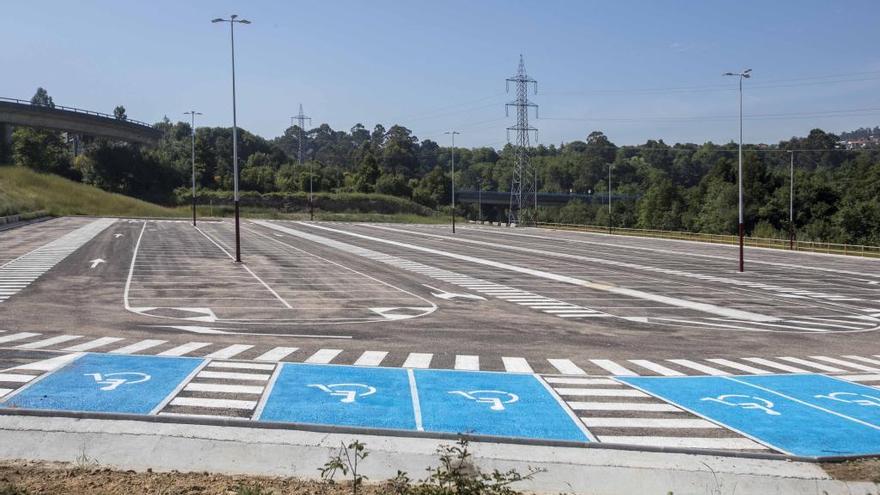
(74, 120)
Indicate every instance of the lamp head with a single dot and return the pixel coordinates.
(244, 21)
(217, 20)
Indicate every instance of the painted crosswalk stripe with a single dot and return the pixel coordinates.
(4, 391)
(17, 336)
(241, 365)
(863, 359)
(702, 368)
(739, 366)
(229, 375)
(773, 364)
(138, 346)
(49, 364)
(323, 356)
(184, 349)
(599, 392)
(516, 365)
(684, 442)
(622, 407)
(811, 364)
(15, 378)
(656, 368)
(566, 367)
(93, 344)
(370, 358)
(213, 403)
(467, 362)
(229, 352)
(223, 388)
(861, 378)
(613, 368)
(855, 366)
(418, 360)
(277, 354)
(580, 381)
(593, 422)
(39, 344)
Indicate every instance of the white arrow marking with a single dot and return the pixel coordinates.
(117, 235)
(442, 294)
(96, 262)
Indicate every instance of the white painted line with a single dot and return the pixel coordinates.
(648, 423)
(414, 394)
(370, 358)
(138, 346)
(16, 378)
(418, 360)
(223, 389)
(467, 362)
(699, 367)
(516, 365)
(184, 349)
(580, 315)
(580, 381)
(566, 367)
(214, 403)
(860, 378)
(855, 366)
(656, 368)
(685, 442)
(186, 415)
(228, 352)
(270, 289)
(241, 365)
(613, 368)
(600, 392)
(811, 364)
(225, 375)
(323, 356)
(39, 344)
(775, 365)
(17, 336)
(276, 354)
(739, 366)
(622, 406)
(93, 344)
(4, 391)
(863, 359)
(49, 364)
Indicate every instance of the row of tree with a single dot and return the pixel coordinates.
(679, 187)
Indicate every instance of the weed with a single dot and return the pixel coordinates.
(252, 490)
(346, 461)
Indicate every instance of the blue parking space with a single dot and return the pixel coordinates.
(500, 404)
(805, 415)
(341, 395)
(107, 383)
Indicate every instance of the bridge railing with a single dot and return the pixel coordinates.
(809, 246)
(76, 110)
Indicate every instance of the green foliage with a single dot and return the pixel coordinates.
(346, 461)
(40, 150)
(119, 113)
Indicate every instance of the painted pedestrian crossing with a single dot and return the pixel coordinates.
(222, 389)
(862, 365)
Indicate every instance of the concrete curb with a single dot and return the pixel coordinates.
(137, 445)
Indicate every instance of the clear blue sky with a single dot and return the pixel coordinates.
(635, 70)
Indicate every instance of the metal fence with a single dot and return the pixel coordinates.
(810, 246)
(76, 110)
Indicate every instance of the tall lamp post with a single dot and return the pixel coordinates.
(609, 198)
(233, 20)
(741, 75)
(791, 203)
(453, 133)
(192, 114)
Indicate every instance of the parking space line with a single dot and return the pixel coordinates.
(418, 360)
(138, 346)
(566, 367)
(416, 404)
(93, 344)
(323, 356)
(229, 352)
(370, 358)
(276, 354)
(656, 368)
(184, 349)
(467, 362)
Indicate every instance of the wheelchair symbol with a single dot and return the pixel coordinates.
(114, 383)
(495, 397)
(348, 391)
(860, 399)
(751, 402)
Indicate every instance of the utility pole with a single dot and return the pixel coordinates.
(233, 20)
(742, 75)
(791, 203)
(192, 114)
(301, 119)
(521, 186)
(453, 133)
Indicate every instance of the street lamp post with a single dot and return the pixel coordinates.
(233, 20)
(609, 198)
(480, 202)
(791, 203)
(742, 75)
(192, 114)
(453, 133)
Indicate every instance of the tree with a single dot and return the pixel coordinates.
(119, 113)
(367, 175)
(42, 98)
(40, 150)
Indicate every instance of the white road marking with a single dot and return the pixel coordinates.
(228, 375)
(739, 366)
(580, 381)
(214, 403)
(516, 365)
(467, 362)
(613, 368)
(184, 349)
(223, 388)
(323, 356)
(600, 392)
(648, 423)
(416, 404)
(566, 367)
(17, 336)
(370, 358)
(775, 365)
(656, 368)
(229, 352)
(277, 354)
(685, 442)
(861, 378)
(418, 360)
(622, 406)
(4, 391)
(93, 344)
(49, 364)
(811, 364)
(15, 378)
(855, 366)
(702, 368)
(39, 344)
(863, 359)
(243, 365)
(138, 346)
